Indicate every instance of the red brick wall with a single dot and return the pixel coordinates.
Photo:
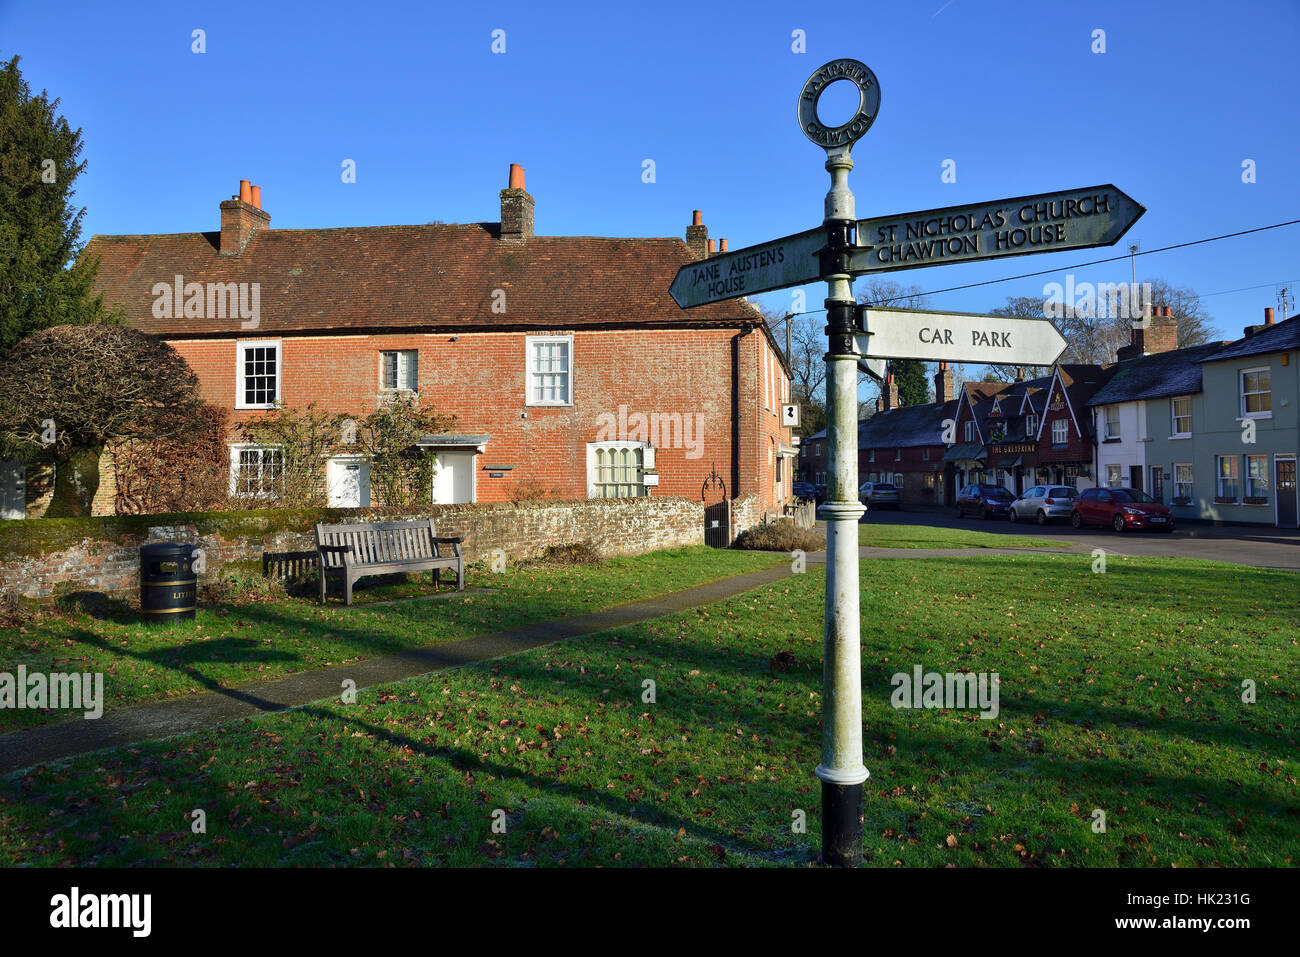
(761, 432)
(480, 378)
(1078, 449)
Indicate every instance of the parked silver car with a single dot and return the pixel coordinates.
(879, 495)
(1043, 503)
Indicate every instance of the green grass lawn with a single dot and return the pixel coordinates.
(1120, 692)
(924, 536)
(228, 645)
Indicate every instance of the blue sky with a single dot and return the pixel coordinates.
(1011, 91)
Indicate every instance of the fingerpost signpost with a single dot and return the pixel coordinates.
(845, 247)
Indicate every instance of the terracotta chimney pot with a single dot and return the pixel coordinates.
(245, 192)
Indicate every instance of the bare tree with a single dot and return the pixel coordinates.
(886, 292)
(68, 391)
(807, 366)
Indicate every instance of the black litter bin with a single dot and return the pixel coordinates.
(168, 582)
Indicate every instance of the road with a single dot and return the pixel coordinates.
(1264, 547)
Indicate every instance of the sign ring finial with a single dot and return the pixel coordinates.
(839, 138)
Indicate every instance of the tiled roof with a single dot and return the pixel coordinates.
(410, 277)
(1282, 337)
(970, 451)
(1155, 376)
(1009, 396)
(906, 427)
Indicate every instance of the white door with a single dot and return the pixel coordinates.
(13, 490)
(349, 483)
(453, 478)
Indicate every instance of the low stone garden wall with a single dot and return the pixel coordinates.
(45, 558)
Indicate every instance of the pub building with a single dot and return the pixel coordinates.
(997, 434)
(1067, 439)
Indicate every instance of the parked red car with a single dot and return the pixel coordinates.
(1121, 509)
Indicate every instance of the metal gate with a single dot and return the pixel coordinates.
(717, 517)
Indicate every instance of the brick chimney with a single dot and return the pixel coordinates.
(1268, 321)
(943, 384)
(516, 209)
(697, 235)
(241, 216)
(1160, 335)
(889, 392)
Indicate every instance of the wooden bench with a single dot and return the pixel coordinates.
(349, 552)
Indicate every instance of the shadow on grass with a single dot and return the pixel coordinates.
(919, 751)
(639, 652)
(99, 606)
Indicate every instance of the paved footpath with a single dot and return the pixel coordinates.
(161, 719)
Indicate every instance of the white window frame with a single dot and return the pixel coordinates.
(1119, 476)
(404, 357)
(240, 346)
(1189, 484)
(898, 453)
(1241, 391)
(1175, 432)
(1065, 431)
(1236, 477)
(647, 463)
(529, 372)
(1246, 491)
(969, 431)
(1031, 425)
(1105, 416)
(235, 449)
(767, 379)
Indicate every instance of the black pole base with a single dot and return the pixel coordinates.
(841, 825)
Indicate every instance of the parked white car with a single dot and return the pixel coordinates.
(1043, 503)
(879, 495)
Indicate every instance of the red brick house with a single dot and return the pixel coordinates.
(568, 366)
(906, 444)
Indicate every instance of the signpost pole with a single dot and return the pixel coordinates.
(841, 769)
(1048, 222)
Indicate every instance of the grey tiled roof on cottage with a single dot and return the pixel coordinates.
(910, 426)
(1156, 376)
(1282, 337)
